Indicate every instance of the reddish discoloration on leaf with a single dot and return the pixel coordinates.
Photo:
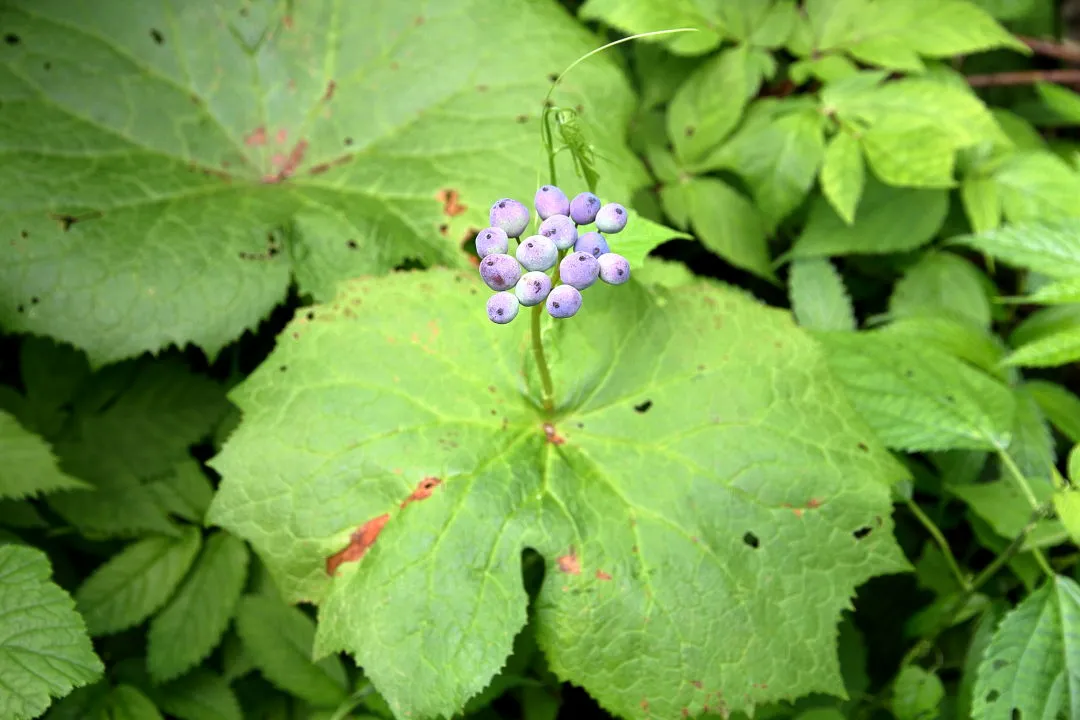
(329, 94)
(423, 490)
(553, 435)
(452, 207)
(359, 542)
(433, 326)
(601, 575)
(288, 165)
(569, 563)
(256, 137)
(645, 705)
(319, 169)
(287, 21)
(814, 504)
(696, 683)
(281, 136)
(685, 712)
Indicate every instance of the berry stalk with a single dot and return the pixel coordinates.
(547, 389)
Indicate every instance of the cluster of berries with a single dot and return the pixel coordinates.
(526, 272)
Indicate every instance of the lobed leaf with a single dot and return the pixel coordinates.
(44, 649)
(407, 480)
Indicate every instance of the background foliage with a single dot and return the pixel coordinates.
(817, 461)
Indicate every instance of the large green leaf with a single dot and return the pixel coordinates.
(818, 296)
(942, 283)
(167, 174)
(1051, 247)
(709, 103)
(638, 16)
(1060, 348)
(135, 583)
(29, 466)
(1032, 665)
(199, 695)
(191, 625)
(843, 174)
(44, 649)
(699, 448)
(889, 220)
(1037, 185)
(729, 224)
(918, 397)
(1059, 405)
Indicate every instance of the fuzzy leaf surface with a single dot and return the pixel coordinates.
(433, 435)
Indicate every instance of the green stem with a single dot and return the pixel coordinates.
(939, 538)
(1025, 488)
(926, 643)
(548, 397)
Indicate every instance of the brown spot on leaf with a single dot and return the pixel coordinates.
(569, 563)
(813, 504)
(444, 229)
(696, 683)
(66, 221)
(319, 169)
(331, 86)
(601, 575)
(287, 21)
(481, 88)
(645, 705)
(289, 164)
(452, 207)
(423, 490)
(419, 20)
(281, 136)
(256, 137)
(553, 435)
(359, 542)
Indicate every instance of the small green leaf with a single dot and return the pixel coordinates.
(919, 398)
(843, 174)
(29, 467)
(1037, 186)
(640, 16)
(1061, 407)
(1067, 507)
(1053, 350)
(44, 649)
(191, 625)
(185, 492)
(135, 583)
(640, 237)
(1063, 102)
(818, 296)
(778, 160)
(916, 694)
(942, 283)
(1032, 666)
(982, 202)
(125, 702)
(908, 155)
(279, 640)
(1056, 293)
(889, 220)
(199, 695)
(1032, 445)
(959, 338)
(1006, 9)
(1051, 247)
(729, 225)
(887, 52)
(709, 103)
(1073, 464)
(1007, 511)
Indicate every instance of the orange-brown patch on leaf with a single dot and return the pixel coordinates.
(331, 86)
(814, 504)
(256, 137)
(359, 542)
(553, 435)
(569, 563)
(451, 200)
(423, 490)
(601, 575)
(281, 136)
(696, 683)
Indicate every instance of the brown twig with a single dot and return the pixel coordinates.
(1026, 77)
(1066, 52)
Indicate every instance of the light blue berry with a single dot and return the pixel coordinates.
(537, 252)
(614, 269)
(592, 243)
(502, 307)
(491, 240)
(583, 208)
(549, 201)
(532, 288)
(611, 218)
(561, 230)
(579, 269)
(564, 301)
(510, 216)
(499, 271)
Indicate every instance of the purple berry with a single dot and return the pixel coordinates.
(614, 269)
(499, 271)
(583, 208)
(592, 243)
(549, 201)
(611, 218)
(537, 252)
(564, 301)
(510, 216)
(532, 288)
(561, 230)
(579, 269)
(502, 307)
(491, 240)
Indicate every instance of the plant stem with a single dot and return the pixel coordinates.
(926, 643)
(939, 538)
(1018, 477)
(1068, 76)
(548, 397)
